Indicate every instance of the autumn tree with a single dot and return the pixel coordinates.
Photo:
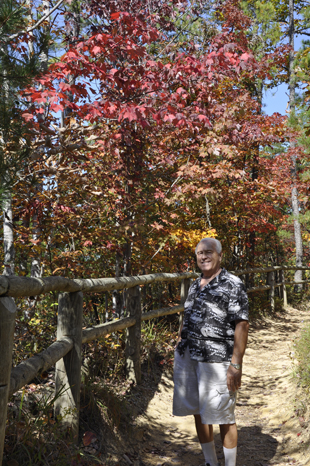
(155, 150)
(17, 69)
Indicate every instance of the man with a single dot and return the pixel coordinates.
(208, 357)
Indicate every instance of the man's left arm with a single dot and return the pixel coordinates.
(240, 342)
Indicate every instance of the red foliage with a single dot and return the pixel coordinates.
(172, 125)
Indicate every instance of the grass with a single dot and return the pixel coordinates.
(33, 436)
(302, 355)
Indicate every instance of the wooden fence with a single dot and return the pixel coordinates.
(65, 352)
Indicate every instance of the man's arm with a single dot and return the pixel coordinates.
(240, 342)
(181, 320)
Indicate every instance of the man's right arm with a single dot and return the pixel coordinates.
(180, 328)
(240, 342)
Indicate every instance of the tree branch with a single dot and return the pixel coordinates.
(8, 39)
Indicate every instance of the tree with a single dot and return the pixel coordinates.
(16, 71)
(23, 55)
(160, 130)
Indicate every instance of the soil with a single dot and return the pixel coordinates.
(272, 416)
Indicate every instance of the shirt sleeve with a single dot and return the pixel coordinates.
(238, 307)
(187, 307)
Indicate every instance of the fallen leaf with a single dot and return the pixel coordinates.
(88, 438)
(12, 463)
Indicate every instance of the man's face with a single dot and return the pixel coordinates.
(208, 259)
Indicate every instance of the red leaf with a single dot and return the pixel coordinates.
(96, 50)
(88, 243)
(245, 56)
(88, 438)
(27, 116)
(129, 113)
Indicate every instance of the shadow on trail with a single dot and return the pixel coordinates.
(124, 434)
(255, 447)
(128, 435)
(282, 323)
(112, 417)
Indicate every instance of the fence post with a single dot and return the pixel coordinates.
(185, 284)
(7, 326)
(68, 369)
(133, 336)
(270, 282)
(284, 293)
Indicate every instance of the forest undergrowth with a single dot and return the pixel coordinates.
(33, 435)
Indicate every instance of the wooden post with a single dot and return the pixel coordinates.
(133, 335)
(270, 282)
(68, 369)
(185, 284)
(276, 280)
(284, 293)
(7, 326)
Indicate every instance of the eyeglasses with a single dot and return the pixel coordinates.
(204, 253)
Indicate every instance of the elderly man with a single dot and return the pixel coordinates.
(208, 357)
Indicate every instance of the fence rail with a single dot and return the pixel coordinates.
(65, 353)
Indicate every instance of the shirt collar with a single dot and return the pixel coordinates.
(216, 279)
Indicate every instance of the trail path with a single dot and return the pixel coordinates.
(273, 428)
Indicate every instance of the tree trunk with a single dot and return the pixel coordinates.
(117, 297)
(8, 236)
(133, 336)
(36, 268)
(7, 325)
(294, 194)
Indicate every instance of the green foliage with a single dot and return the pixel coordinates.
(302, 354)
(266, 32)
(264, 35)
(17, 70)
(284, 234)
(35, 327)
(158, 340)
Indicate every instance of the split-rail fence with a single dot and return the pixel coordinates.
(65, 353)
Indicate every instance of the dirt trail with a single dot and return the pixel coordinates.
(273, 427)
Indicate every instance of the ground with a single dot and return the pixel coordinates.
(271, 410)
(127, 425)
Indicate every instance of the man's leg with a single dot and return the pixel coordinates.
(204, 431)
(229, 437)
(205, 436)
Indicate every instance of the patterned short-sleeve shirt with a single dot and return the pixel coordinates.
(210, 316)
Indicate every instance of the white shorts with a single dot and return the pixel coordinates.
(201, 388)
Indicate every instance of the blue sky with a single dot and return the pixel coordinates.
(275, 100)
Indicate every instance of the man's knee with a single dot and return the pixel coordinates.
(229, 435)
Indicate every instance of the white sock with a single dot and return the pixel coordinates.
(230, 456)
(209, 453)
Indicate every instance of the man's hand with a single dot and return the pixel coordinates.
(178, 341)
(233, 379)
